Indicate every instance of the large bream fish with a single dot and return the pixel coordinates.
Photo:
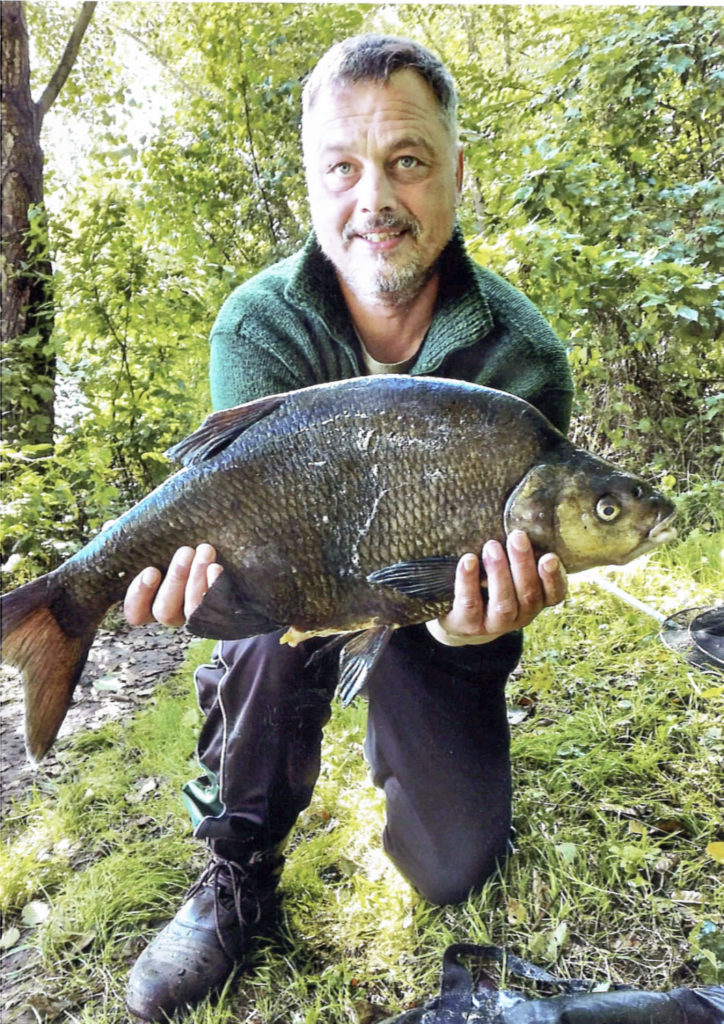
(339, 508)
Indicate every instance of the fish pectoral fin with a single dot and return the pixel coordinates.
(429, 579)
(358, 658)
(221, 429)
(226, 613)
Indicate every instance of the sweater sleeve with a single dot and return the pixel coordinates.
(280, 331)
(244, 366)
(259, 345)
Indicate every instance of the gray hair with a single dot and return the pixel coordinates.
(376, 58)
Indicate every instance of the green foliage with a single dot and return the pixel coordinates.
(135, 328)
(50, 498)
(232, 158)
(594, 147)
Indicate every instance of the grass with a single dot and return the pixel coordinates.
(618, 754)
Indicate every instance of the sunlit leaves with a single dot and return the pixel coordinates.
(593, 147)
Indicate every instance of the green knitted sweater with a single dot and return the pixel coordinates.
(288, 327)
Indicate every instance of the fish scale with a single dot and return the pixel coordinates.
(340, 508)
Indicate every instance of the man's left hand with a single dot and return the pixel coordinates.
(518, 589)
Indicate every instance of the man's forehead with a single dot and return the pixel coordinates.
(403, 101)
(403, 89)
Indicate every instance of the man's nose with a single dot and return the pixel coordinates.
(375, 191)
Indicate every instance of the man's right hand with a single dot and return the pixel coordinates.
(171, 599)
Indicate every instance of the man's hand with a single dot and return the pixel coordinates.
(518, 590)
(189, 575)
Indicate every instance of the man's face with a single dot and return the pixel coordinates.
(384, 177)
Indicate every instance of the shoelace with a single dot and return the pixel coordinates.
(233, 888)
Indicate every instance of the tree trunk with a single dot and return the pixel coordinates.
(27, 315)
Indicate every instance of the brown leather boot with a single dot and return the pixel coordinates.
(225, 909)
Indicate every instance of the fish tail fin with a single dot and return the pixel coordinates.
(50, 660)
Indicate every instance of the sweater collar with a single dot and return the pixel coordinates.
(462, 314)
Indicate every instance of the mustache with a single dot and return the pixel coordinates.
(381, 222)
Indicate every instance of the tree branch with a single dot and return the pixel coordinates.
(67, 61)
(255, 164)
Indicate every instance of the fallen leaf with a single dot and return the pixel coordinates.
(567, 852)
(141, 788)
(666, 863)
(108, 684)
(347, 866)
(686, 896)
(35, 913)
(50, 1008)
(669, 825)
(9, 938)
(85, 941)
(716, 850)
(714, 691)
(517, 912)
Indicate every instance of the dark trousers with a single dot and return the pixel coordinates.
(437, 743)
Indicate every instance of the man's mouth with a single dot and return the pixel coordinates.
(381, 236)
(382, 233)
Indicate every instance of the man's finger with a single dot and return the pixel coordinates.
(213, 572)
(140, 596)
(198, 580)
(168, 606)
(553, 578)
(468, 601)
(502, 608)
(524, 571)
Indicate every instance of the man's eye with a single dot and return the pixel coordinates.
(343, 168)
(408, 162)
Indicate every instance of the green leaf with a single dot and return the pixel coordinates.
(687, 313)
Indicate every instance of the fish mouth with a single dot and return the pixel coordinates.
(663, 532)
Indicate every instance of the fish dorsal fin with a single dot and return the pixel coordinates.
(220, 429)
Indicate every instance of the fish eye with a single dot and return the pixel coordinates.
(607, 509)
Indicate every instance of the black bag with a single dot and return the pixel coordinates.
(462, 1002)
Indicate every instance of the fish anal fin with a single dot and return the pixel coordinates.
(428, 579)
(358, 658)
(225, 613)
(221, 429)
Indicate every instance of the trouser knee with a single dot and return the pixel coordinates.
(448, 872)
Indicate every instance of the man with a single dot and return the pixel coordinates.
(383, 285)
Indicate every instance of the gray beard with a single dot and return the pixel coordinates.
(388, 284)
